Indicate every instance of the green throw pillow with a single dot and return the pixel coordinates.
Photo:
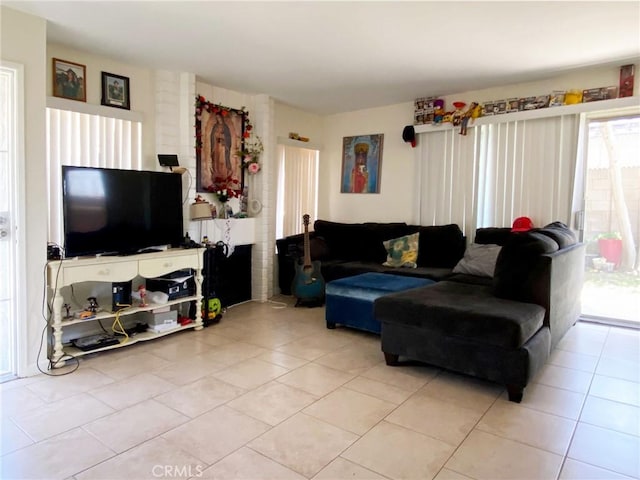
(402, 251)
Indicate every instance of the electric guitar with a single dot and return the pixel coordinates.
(308, 284)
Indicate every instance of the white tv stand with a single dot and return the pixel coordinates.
(62, 273)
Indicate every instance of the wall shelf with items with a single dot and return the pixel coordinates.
(614, 104)
(66, 273)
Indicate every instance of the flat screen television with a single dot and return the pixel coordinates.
(112, 211)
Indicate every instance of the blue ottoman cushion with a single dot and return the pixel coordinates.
(349, 301)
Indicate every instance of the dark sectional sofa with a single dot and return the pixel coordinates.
(347, 249)
(501, 329)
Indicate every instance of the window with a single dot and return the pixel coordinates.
(499, 171)
(297, 188)
(86, 140)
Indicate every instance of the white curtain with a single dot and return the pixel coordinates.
(85, 140)
(297, 188)
(447, 182)
(498, 172)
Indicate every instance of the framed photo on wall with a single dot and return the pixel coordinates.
(115, 91)
(69, 80)
(220, 134)
(361, 162)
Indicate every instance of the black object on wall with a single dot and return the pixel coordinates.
(227, 278)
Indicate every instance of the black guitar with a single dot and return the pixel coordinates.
(308, 284)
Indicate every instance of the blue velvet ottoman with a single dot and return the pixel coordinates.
(349, 301)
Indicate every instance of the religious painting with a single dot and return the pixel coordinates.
(361, 163)
(219, 139)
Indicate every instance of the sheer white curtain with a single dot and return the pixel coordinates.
(86, 140)
(447, 181)
(297, 188)
(527, 168)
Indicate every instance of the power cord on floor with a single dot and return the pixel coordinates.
(47, 318)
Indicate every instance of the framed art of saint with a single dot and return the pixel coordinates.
(361, 162)
(220, 133)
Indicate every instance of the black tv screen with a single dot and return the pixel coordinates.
(111, 211)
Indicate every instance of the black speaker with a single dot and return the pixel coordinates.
(120, 295)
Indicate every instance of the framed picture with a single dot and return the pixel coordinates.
(219, 138)
(115, 91)
(361, 162)
(69, 80)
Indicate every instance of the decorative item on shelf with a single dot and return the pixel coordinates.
(572, 97)
(251, 155)
(224, 189)
(115, 91)
(471, 113)
(142, 291)
(69, 80)
(458, 113)
(627, 75)
(244, 200)
(200, 209)
(438, 111)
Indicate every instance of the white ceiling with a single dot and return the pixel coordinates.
(330, 57)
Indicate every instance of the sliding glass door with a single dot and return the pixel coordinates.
(612, 221)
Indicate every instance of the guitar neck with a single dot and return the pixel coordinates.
(307, 249)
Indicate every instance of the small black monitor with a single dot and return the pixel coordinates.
(168, 160)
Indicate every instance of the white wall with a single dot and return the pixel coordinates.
(395, 201)
(141, 86)
(290, 119)
(23, 41)
(396, 180)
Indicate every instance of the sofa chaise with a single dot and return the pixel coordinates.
(501, 329)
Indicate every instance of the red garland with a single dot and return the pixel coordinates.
(204, 104)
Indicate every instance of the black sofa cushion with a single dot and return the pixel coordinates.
(358, 241)
(472, 312)
(492, 235)
(440, 246)
(560, 233)
(517, 262)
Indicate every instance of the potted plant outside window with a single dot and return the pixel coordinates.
(610, 247)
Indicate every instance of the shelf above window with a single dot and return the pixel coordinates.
(618, 104)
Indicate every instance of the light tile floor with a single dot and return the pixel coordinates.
(270, 393)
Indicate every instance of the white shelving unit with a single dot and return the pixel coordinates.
(63, 273)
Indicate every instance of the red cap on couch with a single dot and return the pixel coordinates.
(522, 224)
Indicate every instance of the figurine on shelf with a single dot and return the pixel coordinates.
(67, 309)
(458, 114)
(438, 112)
(93, 305)
(142, 291)
(468, 115)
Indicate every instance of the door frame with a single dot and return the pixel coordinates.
(17, 224)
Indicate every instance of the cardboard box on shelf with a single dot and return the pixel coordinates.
(557, 98)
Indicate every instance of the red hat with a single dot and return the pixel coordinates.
(522, 224)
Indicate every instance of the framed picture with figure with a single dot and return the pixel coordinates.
(115, 91)
(361, 163)
(69, 80)
(219, 141)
